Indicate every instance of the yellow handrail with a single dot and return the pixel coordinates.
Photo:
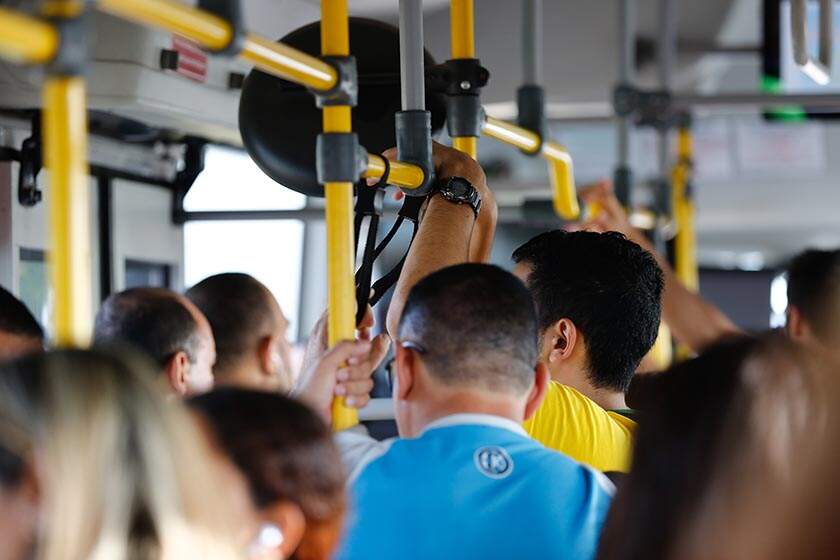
(562, 175)
(511, 134)
(65, 157)
(25, 39)
(561, 169)
(213, 32)
(405, 175)
(335, 41)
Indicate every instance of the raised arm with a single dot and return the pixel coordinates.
(445, 229)
(693, 321)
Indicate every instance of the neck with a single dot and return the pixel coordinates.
(607, 399)
(469, 402)
(243, 375)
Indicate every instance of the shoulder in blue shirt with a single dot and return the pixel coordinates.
(475, 491)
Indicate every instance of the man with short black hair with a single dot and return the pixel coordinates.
(598, 299)
(249, 328)
(813, 314)
(20, 332)
(168, 328)
(467, 376)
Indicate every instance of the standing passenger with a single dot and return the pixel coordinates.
(20, 332)
(252, 350)
(813, 313)
(168, 328)
(249, 328)
(465, 480)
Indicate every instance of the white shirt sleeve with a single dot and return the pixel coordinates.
(358, 449)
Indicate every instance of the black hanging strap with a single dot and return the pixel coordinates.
(368, 206)
(410, 211)
(381, 286)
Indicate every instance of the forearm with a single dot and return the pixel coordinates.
(693, 321)
(442, 240)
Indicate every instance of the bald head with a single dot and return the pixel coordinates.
(167, 327)
(249, 329)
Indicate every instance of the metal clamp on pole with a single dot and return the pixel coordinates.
(231, 12)
(530, 102)
(464, 115)
(339, 157)
(414, 145)
(345, 91)
(414, 122)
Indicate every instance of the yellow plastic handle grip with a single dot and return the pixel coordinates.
(561, 170)
(343, 417)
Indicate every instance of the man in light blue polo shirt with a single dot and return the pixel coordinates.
(465, 481)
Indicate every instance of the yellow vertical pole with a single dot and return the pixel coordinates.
(335, 40)
(685, 261)
(685, 242)
(65, 157)
(466, 144)
(462, 31)
(462, 28)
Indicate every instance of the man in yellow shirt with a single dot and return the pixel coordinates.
(568, 421)
(598, 299)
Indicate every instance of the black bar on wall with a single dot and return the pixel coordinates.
(106, 244)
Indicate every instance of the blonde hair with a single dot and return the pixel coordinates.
(122, 472)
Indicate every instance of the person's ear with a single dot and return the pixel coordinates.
(542, 377)
(269, 356)
(795, 326)
(564, 337)
(289, 518)
(406, 368)
(177, 371)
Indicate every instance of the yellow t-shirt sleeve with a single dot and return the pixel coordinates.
(570, 423)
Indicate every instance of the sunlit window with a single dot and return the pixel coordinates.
(778, 301)
(232, 181)
(269, 250)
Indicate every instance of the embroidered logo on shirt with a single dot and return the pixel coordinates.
(493, 462)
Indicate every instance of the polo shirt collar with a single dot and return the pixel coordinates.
(470, 419)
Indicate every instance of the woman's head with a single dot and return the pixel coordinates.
(293, 469)
(713, 433)
(108, 467)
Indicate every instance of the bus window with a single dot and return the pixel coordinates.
(269, 250)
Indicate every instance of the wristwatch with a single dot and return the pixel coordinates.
(459, 191)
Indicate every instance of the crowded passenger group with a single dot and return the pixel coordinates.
(531, 421)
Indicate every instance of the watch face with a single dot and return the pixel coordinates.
(459, 188)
